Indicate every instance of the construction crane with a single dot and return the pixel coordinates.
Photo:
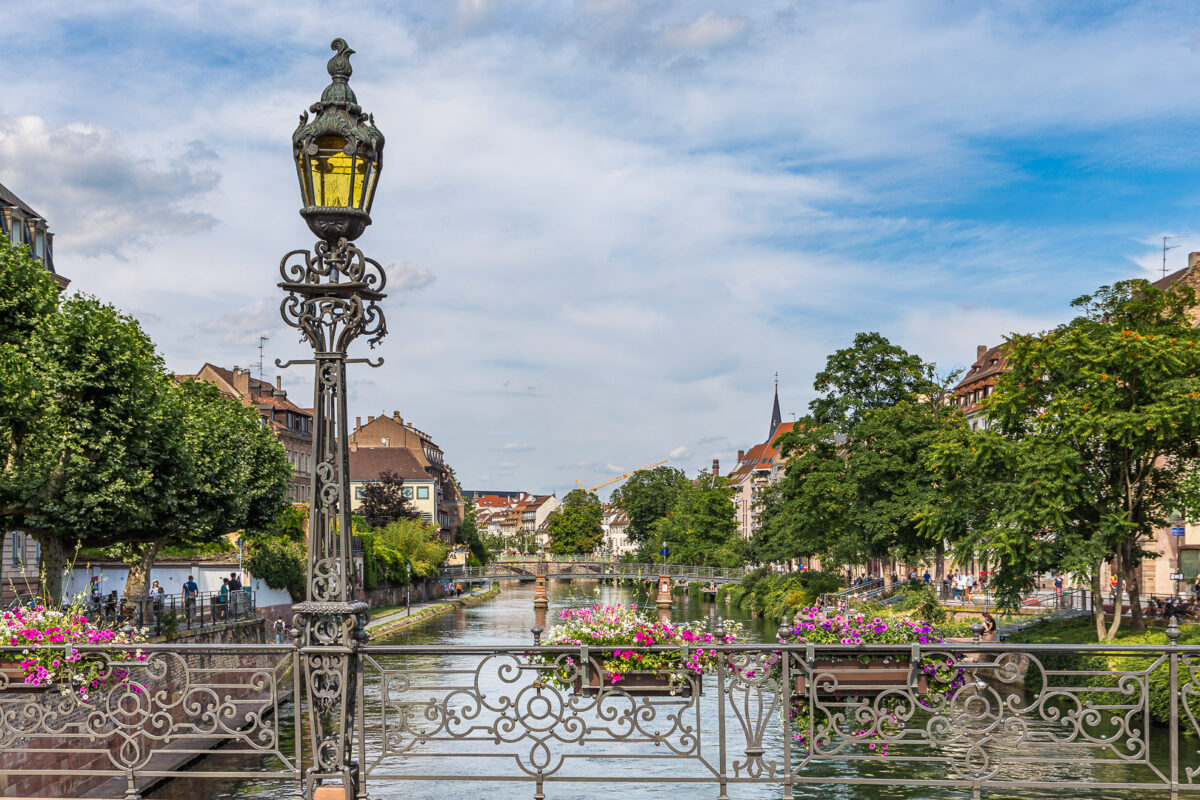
(620, 477)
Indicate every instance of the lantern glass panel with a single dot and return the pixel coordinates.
(337, 179)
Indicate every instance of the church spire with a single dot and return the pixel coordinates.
(776, 417)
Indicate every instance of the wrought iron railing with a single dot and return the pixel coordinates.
(174, 611)
(978, 717)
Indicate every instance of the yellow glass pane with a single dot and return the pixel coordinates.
(331, 169)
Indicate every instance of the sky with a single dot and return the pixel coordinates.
(607, 224)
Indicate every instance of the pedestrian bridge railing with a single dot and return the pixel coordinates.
(972, 716)
(575, 568)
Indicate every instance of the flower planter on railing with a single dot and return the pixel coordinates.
(853, 677)
(643, 683)
(14, 676)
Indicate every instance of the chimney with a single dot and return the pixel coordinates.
(241, 381)
(716, 467)
(370, 419)
(279, 382)
(741, 455)
(979, 351)
(358, 422)
(396, 416)
(1193, 260)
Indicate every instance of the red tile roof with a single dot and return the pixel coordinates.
(367, 463)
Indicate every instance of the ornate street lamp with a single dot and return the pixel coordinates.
(332, 295)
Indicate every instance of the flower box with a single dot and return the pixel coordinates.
(14, 678)
(853, 677)
(643, 683)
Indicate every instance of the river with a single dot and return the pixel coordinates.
(507, 620)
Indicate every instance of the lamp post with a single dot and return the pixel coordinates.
(332, 293)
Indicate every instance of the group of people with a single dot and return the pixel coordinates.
(963, 583)
(453, 589)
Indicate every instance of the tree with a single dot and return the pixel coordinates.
(1095, 438)
(647, 497)
(856, 480)
(411, 541)
(468, 534)
(230, 474)
(576, 527)
(872, 373)
(701, 527)
(81, 470)
(384, 501)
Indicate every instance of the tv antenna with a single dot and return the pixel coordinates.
(1165, 249)
(262, 339)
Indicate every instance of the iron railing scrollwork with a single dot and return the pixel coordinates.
(978, 717)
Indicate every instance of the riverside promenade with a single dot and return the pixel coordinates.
(397, 618)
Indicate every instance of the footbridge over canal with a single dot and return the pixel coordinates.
(576, 569)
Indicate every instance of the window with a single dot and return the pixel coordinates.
(406, 491)
(422, 492)
(18, 548)
(359, 494)
(1189, 564)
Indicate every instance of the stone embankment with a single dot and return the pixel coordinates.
(403, 618)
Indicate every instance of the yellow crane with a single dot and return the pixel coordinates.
(620, 477)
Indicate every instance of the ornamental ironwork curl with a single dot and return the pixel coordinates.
(333, 292)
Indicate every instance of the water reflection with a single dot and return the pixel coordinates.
(507, 620)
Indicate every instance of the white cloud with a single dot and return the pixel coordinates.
(705, 32)
(406, 277)
(680, 453)
(99, 197)
(517, 447)
(240, 327)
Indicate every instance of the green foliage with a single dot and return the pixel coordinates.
(648, 496)
(701, 527)
(856, 479)
(775, 594)
(468, 534)
(407, 541)
(1096, 432)
(918, 598)
(577, 526)
(383, 501)
(280, 563)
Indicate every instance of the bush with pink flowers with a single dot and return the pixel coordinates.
(50, 656)
(618, 633)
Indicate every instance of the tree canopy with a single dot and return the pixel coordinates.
(647, 497)
(576, 527)
(384, 501)
(1094, 441)
(701, 527)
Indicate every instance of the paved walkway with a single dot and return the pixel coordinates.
(401, 617)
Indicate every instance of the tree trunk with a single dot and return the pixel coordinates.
(54, 561)
(939, 567)
(1136, 621)
(141, 561)
(1118, 597)
(1098, 602)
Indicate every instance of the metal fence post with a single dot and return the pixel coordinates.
(1173, 658)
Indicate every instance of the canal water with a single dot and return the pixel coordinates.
(507, 620)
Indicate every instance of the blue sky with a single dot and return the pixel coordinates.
(609, 223)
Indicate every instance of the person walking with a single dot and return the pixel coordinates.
(222, 599)
(190, 592)
(1058, 587)
(235, 594)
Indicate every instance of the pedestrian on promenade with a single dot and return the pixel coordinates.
(190, 592)
(235, 594)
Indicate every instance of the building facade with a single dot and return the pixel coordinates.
(291, 424)
(448, 504)
(367, 465)
(979, 382)
(757, 468)
(22, 225)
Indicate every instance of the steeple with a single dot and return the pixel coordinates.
(776, 417)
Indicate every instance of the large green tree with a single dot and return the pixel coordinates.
(228, 474)
(647, 497)
(1094, 442)
(577, 527)
(856, 479)
(701, 527)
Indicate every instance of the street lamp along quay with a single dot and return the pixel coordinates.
(332, 293)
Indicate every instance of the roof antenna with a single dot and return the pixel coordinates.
(262, 339)
(1165, 249)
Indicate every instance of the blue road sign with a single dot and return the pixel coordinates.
(1177, 531)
